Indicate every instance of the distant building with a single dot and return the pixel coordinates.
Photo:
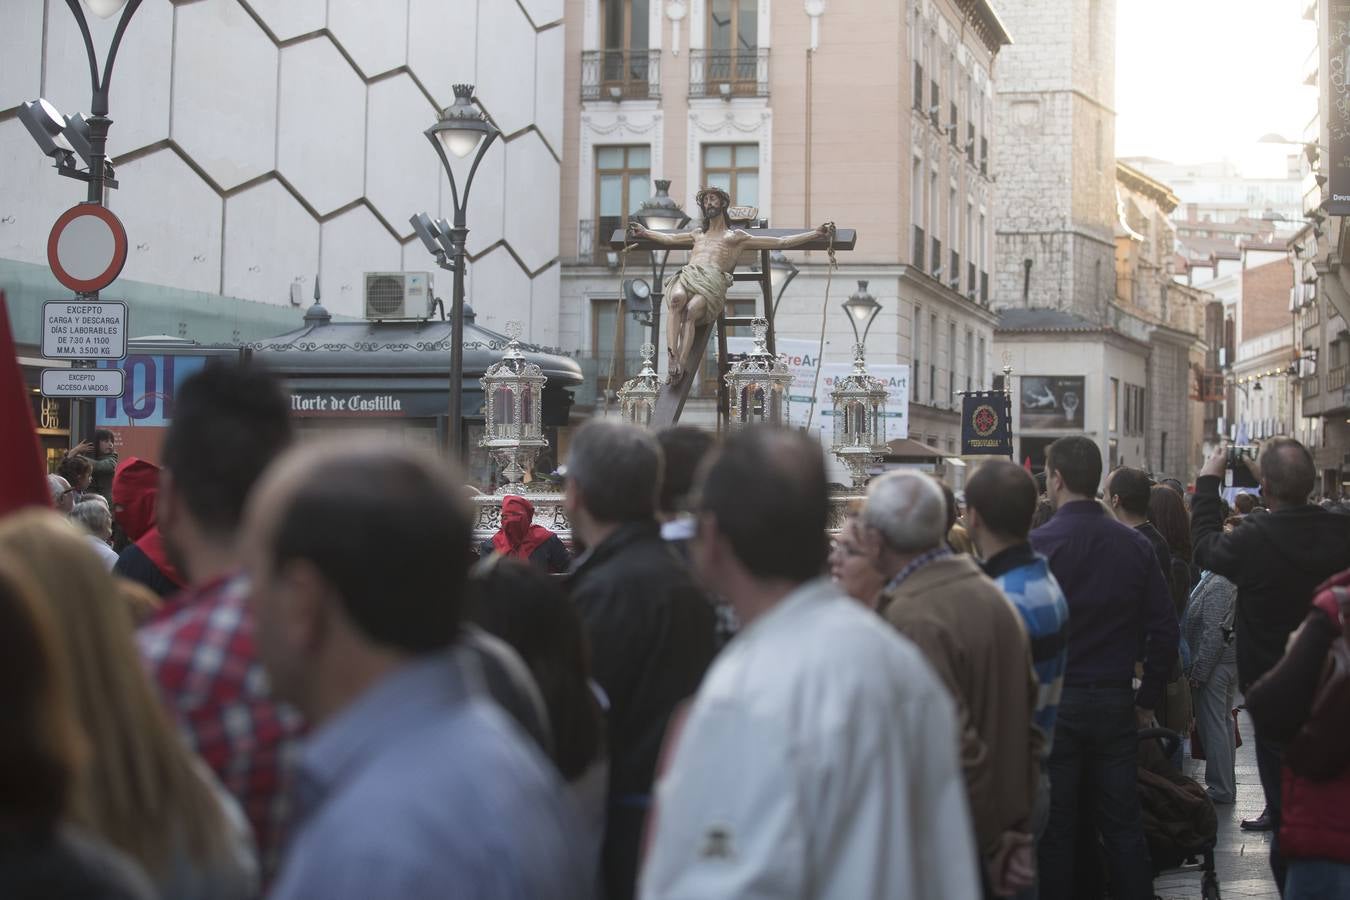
(1101, 335)
(1217, 192)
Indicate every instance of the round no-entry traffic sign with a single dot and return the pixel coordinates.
(87, 248)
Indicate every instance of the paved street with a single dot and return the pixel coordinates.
(1242, 857)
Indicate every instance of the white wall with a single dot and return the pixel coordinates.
(258, 142)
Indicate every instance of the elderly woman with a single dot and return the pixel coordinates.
(95, 517)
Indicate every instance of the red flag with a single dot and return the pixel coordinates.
(23, 477)
(1026, 463)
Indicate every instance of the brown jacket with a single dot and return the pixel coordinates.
(975, 640)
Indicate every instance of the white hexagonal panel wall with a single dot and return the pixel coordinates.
(34, 195)
(500, 292)
(548, 89)
(543, 12)
(354, 243)
(402, 167)
(531, 228)
(138, 96)
(290, 18)
(20, 53)
(322, 109)
(225, 92)
(440, 45)
(270, 242)
(544, 292)
(506, 71)
(486, 200)
(375, 34)
(172, 221)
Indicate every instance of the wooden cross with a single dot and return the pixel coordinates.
(670, 402)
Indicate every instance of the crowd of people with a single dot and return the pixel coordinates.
(259, 666)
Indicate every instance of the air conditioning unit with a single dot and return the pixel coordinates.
(398, 295)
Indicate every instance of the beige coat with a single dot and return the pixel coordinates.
(974, 638)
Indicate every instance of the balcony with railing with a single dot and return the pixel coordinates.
(621, 75)
(729, 73)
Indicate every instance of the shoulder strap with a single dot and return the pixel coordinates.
(1228, 626)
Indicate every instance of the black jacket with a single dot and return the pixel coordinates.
(1275, 560)
(651, 629)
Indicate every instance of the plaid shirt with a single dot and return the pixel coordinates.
(203, 659)
(915, 565)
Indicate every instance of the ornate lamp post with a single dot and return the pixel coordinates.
(513, 409)
(637, 397)
(659, 213)
(462, 130)
(758, 385)
(859, 399)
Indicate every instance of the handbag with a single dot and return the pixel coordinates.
(1321, 749)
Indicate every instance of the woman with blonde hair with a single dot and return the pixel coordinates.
(142, 791)
(41, 754)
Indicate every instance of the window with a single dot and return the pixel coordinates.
(932, 357)
(915, 343)
(1114, 411)
(605, 322)
(951, 362)
(733, 25)
(970, 357)
(622, 181)
(735, 169)
(916, 213)
(624, 62)
(979, 363)
(918, 85)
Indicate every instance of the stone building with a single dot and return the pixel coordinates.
(878, 117)
(1101, 337)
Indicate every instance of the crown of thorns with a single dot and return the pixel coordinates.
(707, 192)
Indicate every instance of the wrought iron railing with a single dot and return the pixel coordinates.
(620, 74)
(729, 73)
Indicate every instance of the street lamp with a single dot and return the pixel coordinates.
(659, 212)
(463, 129)
(64, 137)
(862, 309)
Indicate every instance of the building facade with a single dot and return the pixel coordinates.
(877, 117)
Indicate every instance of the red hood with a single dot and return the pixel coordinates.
(135, 488)
(23, 476)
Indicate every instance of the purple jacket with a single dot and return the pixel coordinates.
(1118, 599)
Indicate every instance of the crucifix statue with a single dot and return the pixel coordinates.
(696, 294)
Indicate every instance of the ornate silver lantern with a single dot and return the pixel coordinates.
(637, 397)
(759, 384)
(859, 423)
(513, 412)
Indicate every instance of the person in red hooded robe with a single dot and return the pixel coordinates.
(135, 491)
(521, 538)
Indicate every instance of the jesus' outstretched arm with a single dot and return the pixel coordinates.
(664, 238)
(787, 241)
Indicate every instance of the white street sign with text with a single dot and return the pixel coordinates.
(74, 329)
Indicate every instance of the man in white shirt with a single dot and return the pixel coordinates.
(819, 758)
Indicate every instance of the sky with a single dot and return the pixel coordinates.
(1200, 80)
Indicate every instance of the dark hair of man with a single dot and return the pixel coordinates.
(1244, 503)
(41, 750)
(388, 531)
(1132, 486)
(1004, 494)
(73, 468)
(1078, 461)
(725, 213)
(1168, 514)
(617, 467)
(949, 505)
(1288, 471)
(684, 448)
(766, 489)
(529, 610)
(229, 422)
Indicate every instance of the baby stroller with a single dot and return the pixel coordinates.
(1179, 820)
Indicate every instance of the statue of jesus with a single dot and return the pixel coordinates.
(697, 293)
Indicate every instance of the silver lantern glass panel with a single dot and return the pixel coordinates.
(513, 391)
(637, 397)
(758, 385)
(859, 402)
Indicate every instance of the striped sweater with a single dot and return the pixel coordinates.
(1024, 577)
